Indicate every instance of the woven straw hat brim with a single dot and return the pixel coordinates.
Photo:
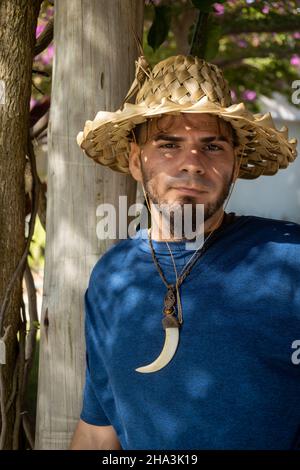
(265, 149)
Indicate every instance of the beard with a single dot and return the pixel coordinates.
(174, 212)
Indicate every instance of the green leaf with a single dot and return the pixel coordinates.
(159, 30)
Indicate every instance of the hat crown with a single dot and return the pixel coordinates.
(184, 79)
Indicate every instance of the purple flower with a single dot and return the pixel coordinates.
(39, 29)
(249, 95)
(32, 102)
(50, 12)
(265, 9)
(295, 60)
(47, 55)
(219, 8)
(242, 43)
(296, 35)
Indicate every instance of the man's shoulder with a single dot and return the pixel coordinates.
(267, 230)
(273, 225)
(115, 257)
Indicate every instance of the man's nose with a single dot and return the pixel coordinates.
(193, 161)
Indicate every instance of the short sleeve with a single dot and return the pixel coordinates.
(92, 411)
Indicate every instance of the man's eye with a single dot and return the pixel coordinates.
(168, 146)
(213, 147)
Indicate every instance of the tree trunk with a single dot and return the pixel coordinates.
(93, 69)
(17, 38)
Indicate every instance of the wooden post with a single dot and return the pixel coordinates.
(93, 69)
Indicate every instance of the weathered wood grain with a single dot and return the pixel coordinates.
(93, 69)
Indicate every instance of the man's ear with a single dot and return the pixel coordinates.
(135, 162)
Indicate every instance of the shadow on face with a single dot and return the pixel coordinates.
(185, 158)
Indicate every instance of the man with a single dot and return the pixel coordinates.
(227, 376)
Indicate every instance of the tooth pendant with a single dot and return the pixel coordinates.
(171, 327)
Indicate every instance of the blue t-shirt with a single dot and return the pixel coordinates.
(232, 383)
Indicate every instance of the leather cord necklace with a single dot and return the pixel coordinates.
(172, 298)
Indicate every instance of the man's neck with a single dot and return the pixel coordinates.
(211, 224)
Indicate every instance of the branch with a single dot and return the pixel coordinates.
(28, 429)
(42, 209)
(37, 89)
(14, 388)
(44, 38)
(33, 317)
(22, 261)
(272, 23)
(253, 52)
(39, 126)
(40, 72)
(20, 388)
(2, 396)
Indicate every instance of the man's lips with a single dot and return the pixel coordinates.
(190, 190)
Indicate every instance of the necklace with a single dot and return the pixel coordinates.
(172, 297)
(172, 303)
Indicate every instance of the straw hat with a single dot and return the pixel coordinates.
(190, 85)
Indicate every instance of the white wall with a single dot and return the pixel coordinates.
(277, 196)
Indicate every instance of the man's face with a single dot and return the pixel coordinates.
(188, 158)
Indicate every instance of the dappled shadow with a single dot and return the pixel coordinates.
(240, 316)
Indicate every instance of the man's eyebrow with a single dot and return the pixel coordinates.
(173, 138)
(221, 138)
